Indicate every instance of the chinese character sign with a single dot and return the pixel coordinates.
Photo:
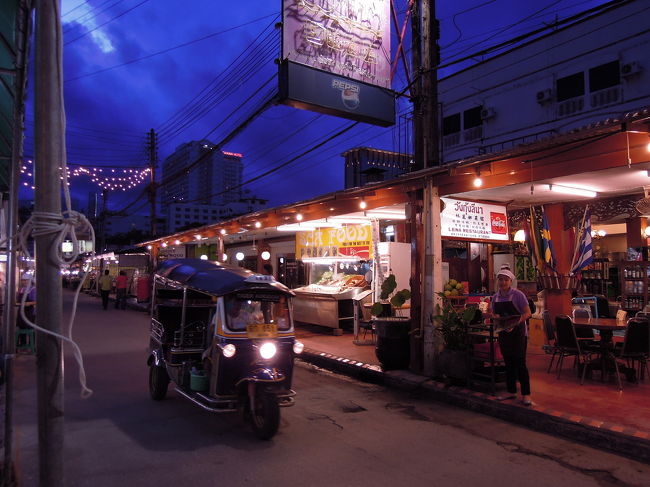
(474, 221)
(342, 37)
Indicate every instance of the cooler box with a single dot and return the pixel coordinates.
(143, 291)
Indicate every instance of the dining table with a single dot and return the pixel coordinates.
(606, 328)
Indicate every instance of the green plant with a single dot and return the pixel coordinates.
(387, 288)
(452, 325)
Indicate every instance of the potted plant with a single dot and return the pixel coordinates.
(452, 326)
(393, 343)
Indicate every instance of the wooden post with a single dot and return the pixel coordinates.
(559, 301)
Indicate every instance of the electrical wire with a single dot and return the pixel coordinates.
(107, 22)
(169, 49)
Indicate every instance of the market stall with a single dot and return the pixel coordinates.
(338, 261)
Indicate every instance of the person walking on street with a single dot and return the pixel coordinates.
(513, 342)
(120, 290)
(105, 284)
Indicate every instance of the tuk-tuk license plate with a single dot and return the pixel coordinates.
(262, 330)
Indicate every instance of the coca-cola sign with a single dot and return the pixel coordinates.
(498, 223)
(473, 220)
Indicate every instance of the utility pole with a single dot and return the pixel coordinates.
(49, 144)
(424, 204)
(152, 150)
(103, 216)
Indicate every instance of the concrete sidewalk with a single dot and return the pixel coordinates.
(626, 441)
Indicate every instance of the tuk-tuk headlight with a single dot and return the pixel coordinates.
(267, 350)
(228, 350)
(298, 347)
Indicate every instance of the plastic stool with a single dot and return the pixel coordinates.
(25, 340)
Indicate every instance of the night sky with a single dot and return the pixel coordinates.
(195, 69)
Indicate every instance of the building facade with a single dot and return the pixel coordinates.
(364, 165)
(586, 70)
(197, 173)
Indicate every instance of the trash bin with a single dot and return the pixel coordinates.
(143, 290)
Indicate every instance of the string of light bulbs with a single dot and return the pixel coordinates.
(113, 179)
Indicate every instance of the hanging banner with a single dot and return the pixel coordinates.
(472, 220)
(351, 241)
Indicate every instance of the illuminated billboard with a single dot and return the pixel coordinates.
(473, 220)
(336, 58)
(350, 38)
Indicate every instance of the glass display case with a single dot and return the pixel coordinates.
(327, 300)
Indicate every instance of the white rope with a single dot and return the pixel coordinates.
(62, 225)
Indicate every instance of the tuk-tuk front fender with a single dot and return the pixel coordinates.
(155, 358)
(263, 374)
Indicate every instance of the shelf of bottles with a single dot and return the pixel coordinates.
(634, 285)
(595, 277)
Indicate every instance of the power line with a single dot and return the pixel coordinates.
(108, 21)
(178, 46)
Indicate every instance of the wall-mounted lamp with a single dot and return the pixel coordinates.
(647, 232)
(164, 244)
(299, 217)
(478, 182)
(362, 204)
(177, 242)
(598, 233)
(556, 188)
(204, 257)
(197, 236)
(239, 256)
(258, 225)
(224, 257)
(149, 247)
(520, 236)
(222, 231)
(266, 255)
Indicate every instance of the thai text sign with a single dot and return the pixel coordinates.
(348, 241)
(342, 37)
(473, 221)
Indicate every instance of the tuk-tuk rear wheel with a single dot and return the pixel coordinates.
(265, 419)
(158, 382)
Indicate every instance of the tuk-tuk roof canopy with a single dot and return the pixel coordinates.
(215, 278)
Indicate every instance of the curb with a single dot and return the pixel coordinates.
(610, 437)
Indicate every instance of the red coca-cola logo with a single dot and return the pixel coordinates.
(498, 223)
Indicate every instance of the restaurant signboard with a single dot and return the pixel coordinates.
(347, 242)
(473, 220)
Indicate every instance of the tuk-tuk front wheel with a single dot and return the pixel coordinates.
(158, 382)
(265, 415)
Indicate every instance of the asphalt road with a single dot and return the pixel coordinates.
(339, 433)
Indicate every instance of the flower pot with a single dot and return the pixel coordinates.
(453, 364)
(393, 348)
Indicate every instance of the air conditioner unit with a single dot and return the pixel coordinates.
(630, 69)
(487, 113)
(544, 96)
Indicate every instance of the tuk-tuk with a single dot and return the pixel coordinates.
(224, 336)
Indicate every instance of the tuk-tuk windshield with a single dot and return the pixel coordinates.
(245, 309)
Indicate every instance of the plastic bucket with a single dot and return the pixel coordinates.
(198, 381)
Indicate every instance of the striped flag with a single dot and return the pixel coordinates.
(547, 245)
(584, 255)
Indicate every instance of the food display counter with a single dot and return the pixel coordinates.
(328, 301)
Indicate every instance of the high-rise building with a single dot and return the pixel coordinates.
(202, 185)
(197, 173)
